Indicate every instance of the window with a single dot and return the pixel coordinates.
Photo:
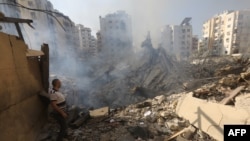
(30, 3)
(229, 19)
(188, 30)
(240, 16)
(229, 26)
(183, 30)
(33, 15)
(122, 25)
(227, 40)
(110, 21)
(228, 33)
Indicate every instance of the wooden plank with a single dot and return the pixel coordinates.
(14, 20)
(232, 94)
(176, 134)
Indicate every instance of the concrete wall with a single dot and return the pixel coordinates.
(21, 111)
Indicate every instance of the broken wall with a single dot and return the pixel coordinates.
(21, 111)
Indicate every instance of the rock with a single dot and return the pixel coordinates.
(173, 125)
(148, 113)
(245, 75)
(160, 99)
(99, 112)
(144, 104)
(183, 123)
(160, 121)
(164, 114)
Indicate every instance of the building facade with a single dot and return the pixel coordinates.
(87, 42)
(99, 41)
(195, 43)
(177, 39)
(227, 32)
(116, 34)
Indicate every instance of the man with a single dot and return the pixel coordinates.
(58, 103)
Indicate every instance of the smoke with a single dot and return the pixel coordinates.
(108, 78)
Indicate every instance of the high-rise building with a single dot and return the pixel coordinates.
(84, 36)
(116, 34)
(99, 41)
(88, 43)
(227, 33)
(177, 39)
(93, 46)
(195, 43)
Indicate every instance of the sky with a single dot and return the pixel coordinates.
(147, 15)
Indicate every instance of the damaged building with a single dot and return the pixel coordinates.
(116, 35)
(24, 72)
(177, 39)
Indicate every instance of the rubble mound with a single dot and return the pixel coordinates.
(151, 120)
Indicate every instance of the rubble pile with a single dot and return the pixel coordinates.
(151, 120)
(225, 80)
(155, 117)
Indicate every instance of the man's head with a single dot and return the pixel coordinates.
(56, 83)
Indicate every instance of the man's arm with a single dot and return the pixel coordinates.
(59, 110)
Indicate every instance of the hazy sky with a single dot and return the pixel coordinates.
(147, 14)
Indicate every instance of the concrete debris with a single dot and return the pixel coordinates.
(165, 106)
(99, 112)
(210, 117)
(243, 102)
(226, 100)
(151, 122)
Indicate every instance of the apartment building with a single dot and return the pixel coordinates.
(177, 39)
(195, 43)
(99, 41)
(228, 32)
(116, 34)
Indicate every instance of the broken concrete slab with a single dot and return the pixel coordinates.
(210, 117)
(99, 112)
(243, 101)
